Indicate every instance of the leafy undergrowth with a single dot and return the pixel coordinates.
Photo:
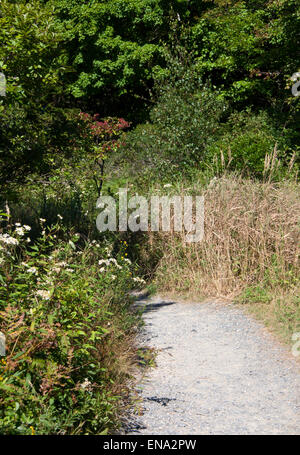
(65, 314)
(279, 308)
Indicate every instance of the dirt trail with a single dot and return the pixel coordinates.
(218, 372)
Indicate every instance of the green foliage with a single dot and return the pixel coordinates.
(65, 335)
(112, 45)
(32, 129)
(116, 48)
(287, 313)
(107, 56)
(249, 47)
(190, 129)
(254, 294)
(184, 121)
(222, 101)
(105, 139)
(30, 54)
(246, 140)
(35, 141)
(278, 309)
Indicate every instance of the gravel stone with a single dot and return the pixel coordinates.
(218, 372)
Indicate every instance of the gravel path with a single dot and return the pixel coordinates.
(218, 372)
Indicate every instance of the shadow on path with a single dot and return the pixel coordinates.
(155, 306)
(141, 303)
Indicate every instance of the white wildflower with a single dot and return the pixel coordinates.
(20, 231)
(44, 294)
(59, 216)
(139, 280)
(32, 270)
(103, 261)
(8, 240)
(86, 385)
(27, 228)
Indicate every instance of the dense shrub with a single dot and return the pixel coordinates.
(32, 130)
(183, 121)
(246, 140)
(114, 46)
(64, 311)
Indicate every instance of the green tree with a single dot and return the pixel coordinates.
(114, 46)
(32, 129)
(249, 47)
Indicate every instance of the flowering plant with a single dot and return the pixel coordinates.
(106, 138)
(64, 312)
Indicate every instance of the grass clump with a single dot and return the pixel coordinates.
(250, 250)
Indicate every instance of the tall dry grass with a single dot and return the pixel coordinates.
(251, 237)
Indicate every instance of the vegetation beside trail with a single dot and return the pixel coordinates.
(69, 332)
(249, 253)
(159, 97)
